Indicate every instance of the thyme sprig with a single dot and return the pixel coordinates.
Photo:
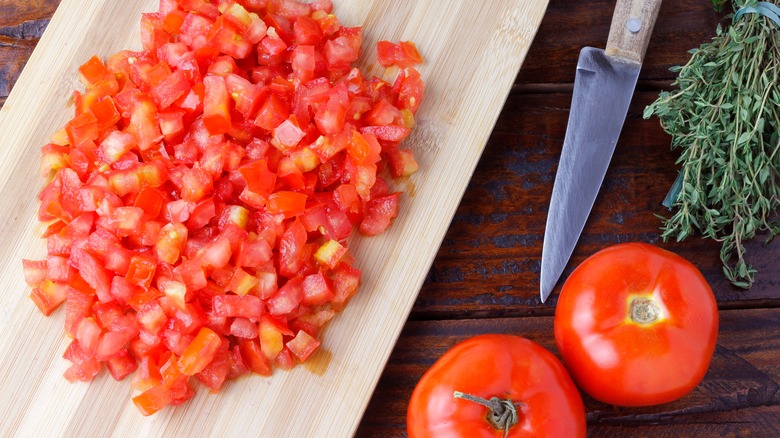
(724, 117)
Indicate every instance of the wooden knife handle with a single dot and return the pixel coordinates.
(632, 25)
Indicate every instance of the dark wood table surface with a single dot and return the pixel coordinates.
(485, 278)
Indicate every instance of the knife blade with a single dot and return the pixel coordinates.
(603, 87)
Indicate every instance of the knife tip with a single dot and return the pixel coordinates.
(546, 287)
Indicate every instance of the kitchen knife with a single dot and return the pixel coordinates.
(603, 86)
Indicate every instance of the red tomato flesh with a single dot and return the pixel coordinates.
(201, 196)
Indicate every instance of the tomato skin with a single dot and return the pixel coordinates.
(623, 363)
(496, 365)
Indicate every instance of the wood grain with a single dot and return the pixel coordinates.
(332, 392)
(741, 391)
(21, 26)
(631, 28)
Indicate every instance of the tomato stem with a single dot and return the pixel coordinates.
(503, 412)
(644, 310)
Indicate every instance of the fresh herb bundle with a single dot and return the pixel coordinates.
(725, 119)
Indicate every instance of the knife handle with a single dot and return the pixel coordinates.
(632, 25)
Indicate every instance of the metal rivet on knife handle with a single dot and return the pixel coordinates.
(634, 25)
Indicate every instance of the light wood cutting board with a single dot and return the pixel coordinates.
(473, 51)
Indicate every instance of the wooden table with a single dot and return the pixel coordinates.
(485, 278)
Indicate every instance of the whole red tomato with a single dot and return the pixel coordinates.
(531, 393)
(636, 325)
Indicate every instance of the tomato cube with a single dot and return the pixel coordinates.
(246, 306)
(141, 270)
(379, 212)
(243, 328)
(272, 113)
(48, 296)
(121, 365)
(316, 290)
(199, 352)
(152, 317)
(152, 400)
(216, 107)
(290, 204)
(258, 177)
(346, 280)
(253, 357)
(170, 89)
(78, 305)
(303, 345)
(93, 71)
(270, 336)
(94, 273)
(35, 271)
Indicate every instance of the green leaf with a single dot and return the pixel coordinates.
(724, 122)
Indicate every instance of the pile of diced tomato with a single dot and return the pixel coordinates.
(200, 198)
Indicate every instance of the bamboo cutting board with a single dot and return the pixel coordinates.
(473, 51)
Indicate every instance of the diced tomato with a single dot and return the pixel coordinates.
(78, 305)
(403, 54)
(409, 87)
(199, 352)
(266, 285)
(175, 291)
(152, 317)
(216, 107)
(272, 332)
(258, 177)
(346, 281)
(215, 373)
(307, 31)
(379, 213)
(85, 366)
(303, 345)
(34, 271)
(287, 298)
(253, 357)
(153, 399)
(341, 51)
(272, 113)
(316, 289)
(87, 334)
(244, 328)
(122, 290)
(232, 306)
(217, 253)
(94, 273)
(147, 374)
(246, 95)
(93, 71)
(241, 282)
(170, 89)
(143, 124)
(105, 112)
(121, 365)
(141, 270)
(48, 296)
(225, 37)
(290, 249)
(202, 195)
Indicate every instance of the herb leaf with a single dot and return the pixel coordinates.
(725, 120)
